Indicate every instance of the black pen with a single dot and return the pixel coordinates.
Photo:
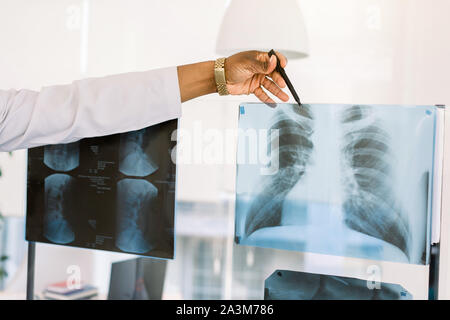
(281, 71)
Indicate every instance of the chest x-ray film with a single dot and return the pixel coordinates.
(113, 193)
(345, 180)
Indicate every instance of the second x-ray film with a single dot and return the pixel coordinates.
(295, 285)
(346, 180)
(113, 193)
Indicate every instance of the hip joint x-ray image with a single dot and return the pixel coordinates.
(351, 180)
(113, 193)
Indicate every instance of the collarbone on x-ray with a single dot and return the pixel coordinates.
(340, 187)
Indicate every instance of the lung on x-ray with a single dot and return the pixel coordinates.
(347, 180)
(293, 285)
(113, 193)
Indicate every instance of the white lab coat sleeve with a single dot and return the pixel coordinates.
(88, 108)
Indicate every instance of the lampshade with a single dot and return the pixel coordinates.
(263, 25)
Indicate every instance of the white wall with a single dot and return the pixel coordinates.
(361, 51)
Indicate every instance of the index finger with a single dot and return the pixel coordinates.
(282, 58)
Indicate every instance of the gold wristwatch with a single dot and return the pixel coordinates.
(219, 76)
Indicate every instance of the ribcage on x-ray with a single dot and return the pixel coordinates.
(135, 212)
(370, 206)
(294, 127)
(58, 208)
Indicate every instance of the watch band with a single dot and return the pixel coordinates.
(219, 76)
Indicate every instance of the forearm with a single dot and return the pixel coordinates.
(196, 80)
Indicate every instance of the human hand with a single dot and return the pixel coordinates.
(247, 72)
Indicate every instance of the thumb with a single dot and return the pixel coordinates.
(265, 64)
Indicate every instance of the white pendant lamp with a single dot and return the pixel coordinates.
(263, 25)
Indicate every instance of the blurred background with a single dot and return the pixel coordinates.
(343, 51)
